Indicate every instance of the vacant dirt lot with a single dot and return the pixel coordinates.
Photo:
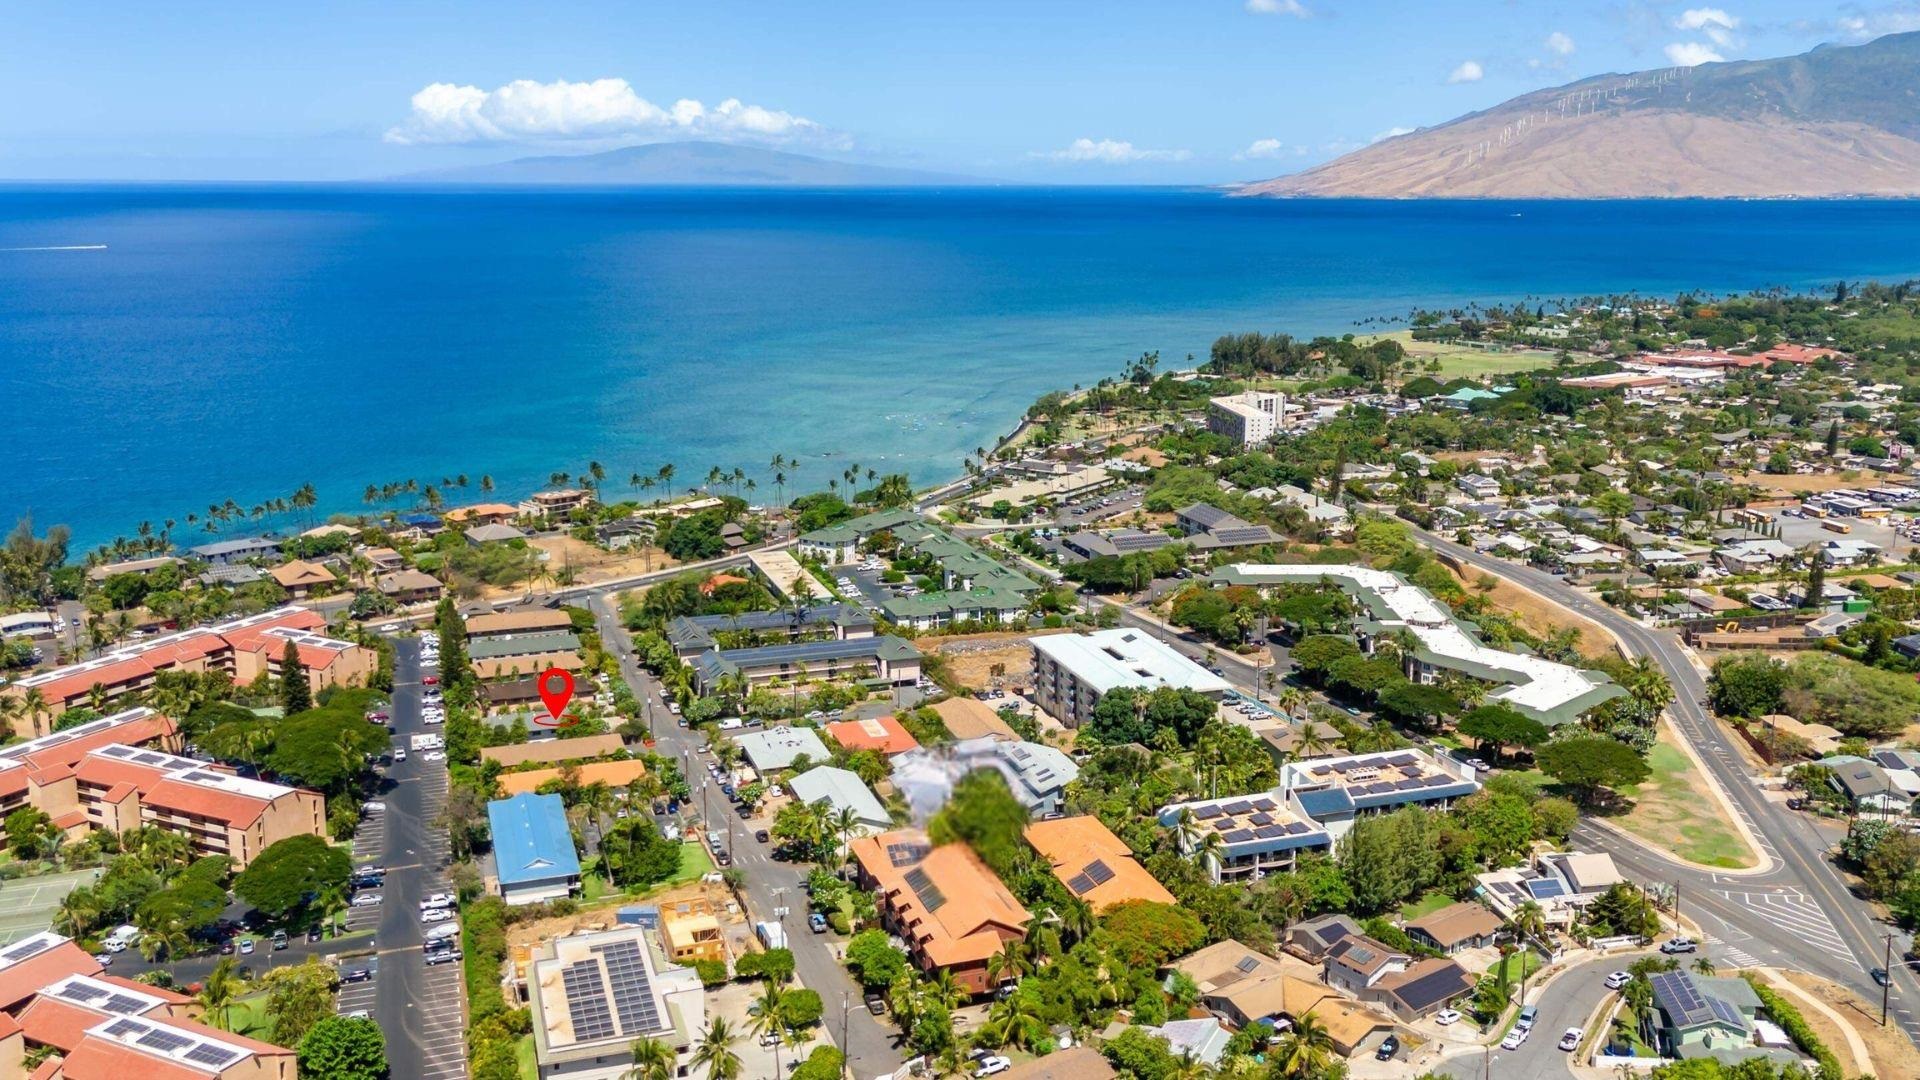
(1541, 616)
(974, 658)
(591, 564)
(1791, 485)
(1892, 1054)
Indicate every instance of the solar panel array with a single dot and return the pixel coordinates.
(1441, 984)
(124, 1005)
(217, 1056)
(587, 1001)
(906, 854)
(632, 987)
(923, 887)
(1099, 872)
(81, 992)
(164, 1041)
(33, 946)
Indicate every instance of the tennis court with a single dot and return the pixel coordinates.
(27, 905)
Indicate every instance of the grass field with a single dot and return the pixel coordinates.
(1457, 362)
(523, 1052)
(1515, 966)
(1425, 905)
(1675, 810)
(249, 1017)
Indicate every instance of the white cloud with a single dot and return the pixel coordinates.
(1262, 149)
(1470, 71)
(1861, 24)
(1279, 7)
(1390, 133)
(528, 111)
(1716, 23)
(1692, 54)
(1559, 44)
(1110, 152)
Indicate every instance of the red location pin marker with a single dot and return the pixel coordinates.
(556, 689)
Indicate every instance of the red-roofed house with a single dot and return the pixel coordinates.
(882, 733)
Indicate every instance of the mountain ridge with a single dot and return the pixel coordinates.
(685, 163)
(1835, 121)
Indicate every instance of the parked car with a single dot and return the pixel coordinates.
(761, 835)
(433, 755)
(991, 1066)
(373, 807)
(443, 956)
(1528, 1016)
(1570, 1039)
(246, 946)
(1446, 1016)
(367, 899)
(436, 900)
(1388, 1047)
(279, 940)
(817, 923)
(876, 1004)
(1514, 1039)
(355, 975)
(1679, 945)
(436, 915)
(1618, 979)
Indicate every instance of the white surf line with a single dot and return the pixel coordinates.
(61, 247)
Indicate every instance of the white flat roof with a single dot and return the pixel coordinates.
(1536, 684)
(1110, 659)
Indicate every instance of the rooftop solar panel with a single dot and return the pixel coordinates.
(1239, 836)
(124, 1005)
(587, 1002)
(1248, 964)
(123, 1027)
(1208, 813)
(1080, 884)
(81, 992)
(1099, 872)
(1238, 808)
(632, 988)
(1263, 804)
(164, 1041)
(1261, 819)
(31, 947)
(1268, 832)
(923, 887)
(209, 1054)
(1295, 828)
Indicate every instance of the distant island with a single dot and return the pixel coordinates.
(687, 163)
(1833, 122)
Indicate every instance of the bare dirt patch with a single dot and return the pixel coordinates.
(1892, 1054)
(1539, 615)
(974, 659)
(591, 564)
(1790, 485)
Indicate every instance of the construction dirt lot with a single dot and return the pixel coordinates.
(1892, 1054)
(974, 659)
(1541, 616)
(1793, 484)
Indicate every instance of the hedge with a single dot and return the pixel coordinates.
(1795, 1025)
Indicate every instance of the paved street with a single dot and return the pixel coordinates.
(768, 884)
(1567, 1002)
(422, 1009)
(1798, 913)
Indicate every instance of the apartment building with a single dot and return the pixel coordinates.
(1094, 864)
(1071, 672)
(240, 648)
(951, 911)
(889, 661)
(1249, 418)
(593, 995)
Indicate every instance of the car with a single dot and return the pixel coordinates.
(817, 923)
(1446, 1016)
(1679, 945)
(1879, 976)
(373, 807)
(313, 934)
(1570, 1039)
(723, 858)
(433, 755)
(436, 915)
(279, 940)
(367, 899)
(1618, 979)
(432, 720)
(378, 716)
(1514, 1039)
(1796, 803)
(990, 1066)
(442, 956)
(771, 1038)
(359, 1014)
(226, 948)
(106, 959)
(1388, 1047)
(761, 835)
(246, 946)
(399, 754)
(431, 680)
(355, 975)
(436, 900)
(1528, 1016)
(876, 1004)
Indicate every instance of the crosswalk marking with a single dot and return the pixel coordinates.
(1795, 911)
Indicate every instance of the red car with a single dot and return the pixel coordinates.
(431, 680)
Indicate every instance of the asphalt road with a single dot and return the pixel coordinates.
(1799, 914)
(1567, 1002)
(421, 1009)
(870, 1046)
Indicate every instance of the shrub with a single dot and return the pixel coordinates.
(712, 972)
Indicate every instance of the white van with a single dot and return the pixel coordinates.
(121, 938)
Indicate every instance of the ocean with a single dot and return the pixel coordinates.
(163, 348)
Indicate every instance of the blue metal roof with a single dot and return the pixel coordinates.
(1326, 801)
(531, 841)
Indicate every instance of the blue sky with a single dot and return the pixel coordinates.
(1068, 91)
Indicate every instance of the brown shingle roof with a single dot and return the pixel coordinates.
(971, 718)
(555, 750)
(1456, 923)
(515, 622)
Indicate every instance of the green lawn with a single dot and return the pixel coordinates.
(591, 883)
(523, 1053)
(1460, 362)
(694, 864)
(1515, 966)
(1426, 905)
(249, 1017)
(1675, 810)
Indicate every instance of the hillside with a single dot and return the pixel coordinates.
(691, 163)
(1836, 121)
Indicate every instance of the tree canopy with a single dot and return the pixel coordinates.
(292, 873)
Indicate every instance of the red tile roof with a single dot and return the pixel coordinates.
(231, 807)
(58, 1023)
(20, 981)
(102, 1059)
(882, 733)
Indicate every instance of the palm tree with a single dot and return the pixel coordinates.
(765, 1018)
(652, 1060)
(1528, 922)
(1014, 1019)
(1011, 962)
(34, 704)
(217, 994)
(1704, 965)
(79, 911)
(1304, 1050)
(715, 1052)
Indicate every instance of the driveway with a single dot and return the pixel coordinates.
(1567, 1002)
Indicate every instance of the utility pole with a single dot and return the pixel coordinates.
(846, 1015)
(1886, 980)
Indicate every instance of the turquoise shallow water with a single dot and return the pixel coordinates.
(237, 342)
